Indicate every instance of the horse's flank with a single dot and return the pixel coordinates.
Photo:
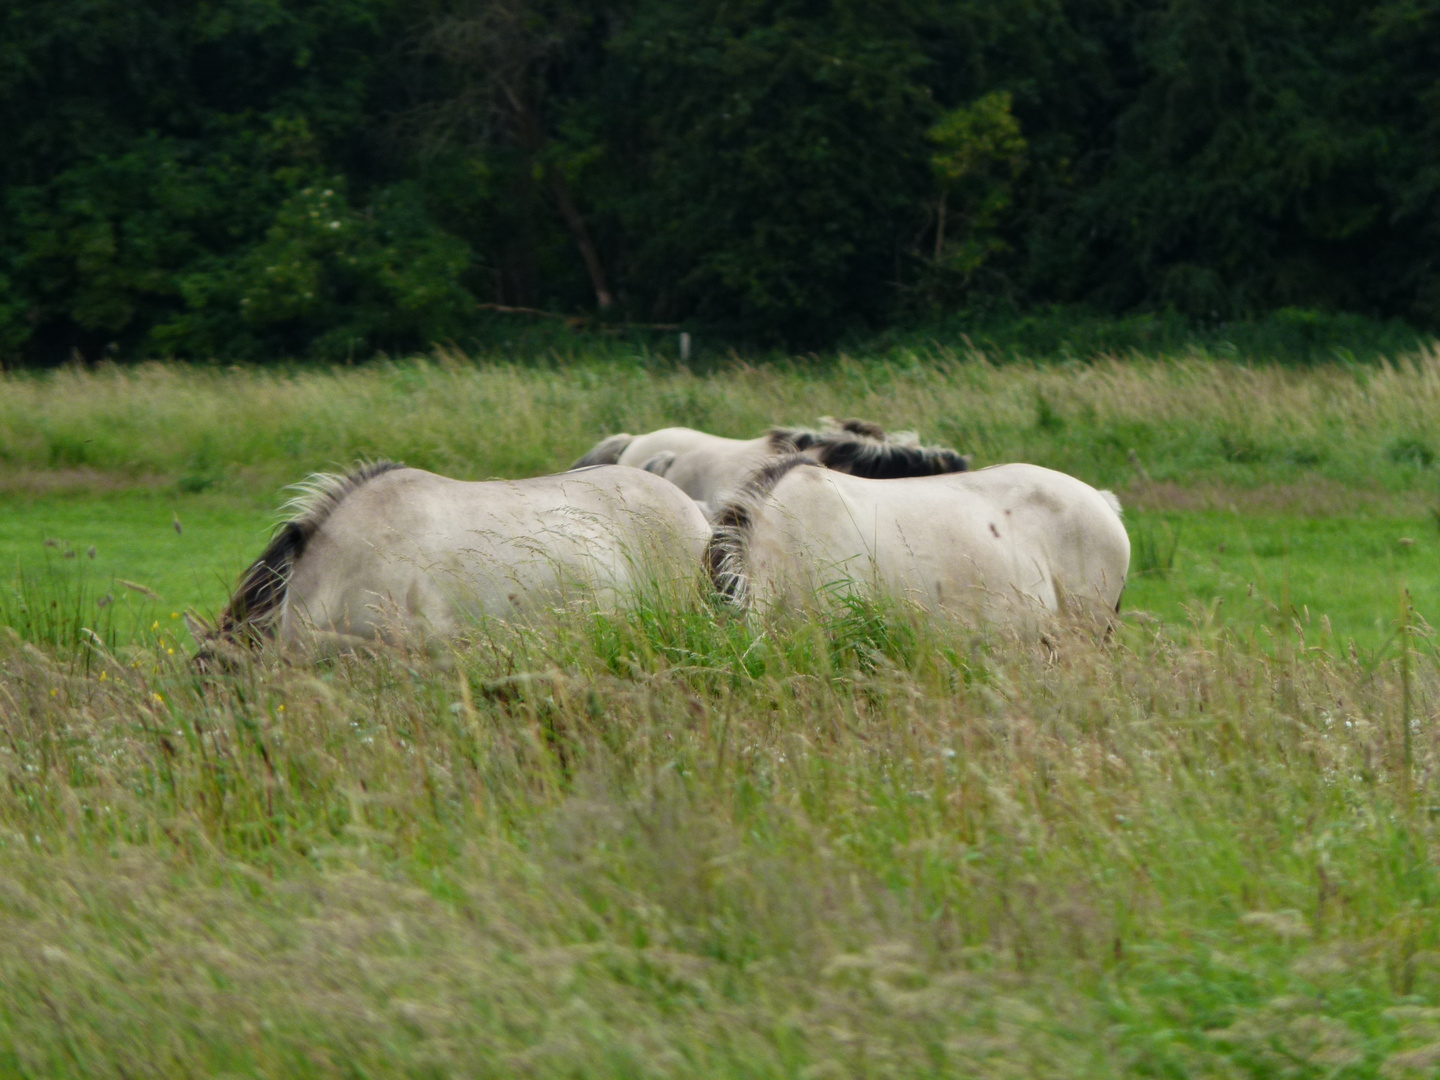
(1008, 544)
(386, 550)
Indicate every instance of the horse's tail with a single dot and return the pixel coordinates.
(255, 608)
(1113, 501)
(605, 452)
(887, 461)
(259, 599)
(733, 521)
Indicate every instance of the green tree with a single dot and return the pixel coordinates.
(143, 142)
(502, 100)
(979, 154)
(783, 144)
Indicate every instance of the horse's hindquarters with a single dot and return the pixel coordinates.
(424, 554)
(1016, 549)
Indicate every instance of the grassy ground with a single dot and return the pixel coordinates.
(668, 844)
(1267, 487)
(1339, 574)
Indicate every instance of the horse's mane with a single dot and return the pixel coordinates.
(785, 440)
(888, 461)
(255, 606)
(734, 521)
(861, 448)
(866, 429)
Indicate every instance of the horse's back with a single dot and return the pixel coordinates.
(674, 440)
(985, 543)
(1077, 528)
(822, 532)
(413, 547)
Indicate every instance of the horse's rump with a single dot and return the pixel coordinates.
(410, 550)
(1005, 544)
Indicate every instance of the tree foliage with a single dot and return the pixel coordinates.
(979, 155)
(263, 178)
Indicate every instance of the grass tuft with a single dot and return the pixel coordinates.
(669, 843)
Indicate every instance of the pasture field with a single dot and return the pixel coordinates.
(671, 843)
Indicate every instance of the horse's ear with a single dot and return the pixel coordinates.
(200, 630)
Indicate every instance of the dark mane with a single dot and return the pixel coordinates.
(791, 440)
(888, 461)
(785, 440)
(866, 429)
(725, 553)
(255, 606)
(861, 448)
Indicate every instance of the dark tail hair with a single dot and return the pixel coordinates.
(258, 601)
(605, 452)
(730, 535)
(255, 606)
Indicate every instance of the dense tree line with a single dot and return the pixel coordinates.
(258, 178)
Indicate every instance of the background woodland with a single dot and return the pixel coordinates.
(255, 179)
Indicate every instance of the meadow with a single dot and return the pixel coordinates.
(676, 843)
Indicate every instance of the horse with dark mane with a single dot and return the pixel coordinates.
(386, 550)
(711, 468)
(1011, 544)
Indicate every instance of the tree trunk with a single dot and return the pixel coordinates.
(578, 229)
(531, 133)
(940, 228)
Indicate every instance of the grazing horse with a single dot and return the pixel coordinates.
(711, 468)
(386, 548)
(1006, 545)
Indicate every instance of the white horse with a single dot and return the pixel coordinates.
(711, 468)
(1009, 544)
(386, 549)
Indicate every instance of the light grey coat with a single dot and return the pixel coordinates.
(1008, 544)
(711, 468)
(388, 551)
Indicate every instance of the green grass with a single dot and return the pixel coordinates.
(670, 843)
(1340, 577)
(667, 845)
(1180, 420)
(132, 534)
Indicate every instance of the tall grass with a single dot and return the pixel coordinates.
(672, 844)
(669, 843)
(63, 607)
(1110, 421)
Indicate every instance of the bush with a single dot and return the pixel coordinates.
(328, 281)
